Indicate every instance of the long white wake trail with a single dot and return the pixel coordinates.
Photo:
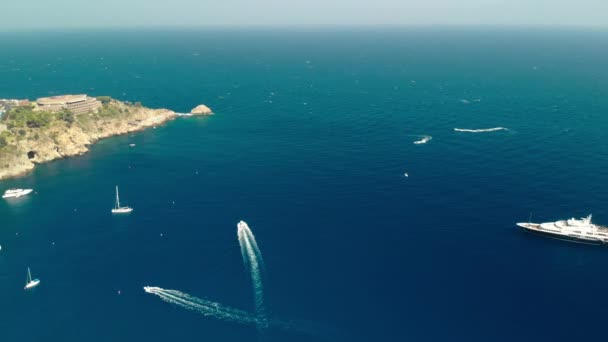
(226, 313)
(481, 130)
(252, 257)
(202, 306)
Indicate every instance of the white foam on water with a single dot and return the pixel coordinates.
(252, 257)
(465, 101)
(481, 130)
(226, 313)
(202, 306)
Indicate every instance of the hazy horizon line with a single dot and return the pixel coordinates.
(306, 27)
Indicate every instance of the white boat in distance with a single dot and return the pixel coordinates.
(118, 209)
(16, 193)
(30, 283)
(581, 230)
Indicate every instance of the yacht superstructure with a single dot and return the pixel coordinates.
(581, 230)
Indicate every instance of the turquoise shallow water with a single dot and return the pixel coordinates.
(312, 135)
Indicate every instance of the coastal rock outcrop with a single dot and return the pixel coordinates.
(201, 110)
(22, 147)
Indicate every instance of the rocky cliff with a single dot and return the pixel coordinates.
(31, 137)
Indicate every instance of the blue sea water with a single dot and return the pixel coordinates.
(313, 132)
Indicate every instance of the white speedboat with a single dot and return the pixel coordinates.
(118, 209)
(16, 193)
(30, 283)
(581, 230)
(424, 140)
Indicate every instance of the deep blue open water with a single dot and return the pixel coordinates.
(313, 132)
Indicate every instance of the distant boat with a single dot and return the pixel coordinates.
(30, 283)
(16, 193)
(117, 208)
(132, 145)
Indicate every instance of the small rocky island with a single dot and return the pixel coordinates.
(201, 110)
(33, 132)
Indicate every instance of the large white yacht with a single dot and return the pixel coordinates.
(16, 193)
(581, 230)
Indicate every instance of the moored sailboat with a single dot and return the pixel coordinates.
(30, 283)
(118, 209)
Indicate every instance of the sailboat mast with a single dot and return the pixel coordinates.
(29, 275)
(117, 199)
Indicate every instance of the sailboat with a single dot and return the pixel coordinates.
(30, 283)
(117, 208)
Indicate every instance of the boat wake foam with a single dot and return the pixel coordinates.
(465, 101)
(222, 312)
(424, 140)
(481, 130)
(252, 258)
(202, 306)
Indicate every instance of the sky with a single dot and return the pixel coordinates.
(34, 14)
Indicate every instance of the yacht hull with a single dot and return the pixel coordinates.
(17, 194)
(561, 237)
(32, 284)
(122, 210)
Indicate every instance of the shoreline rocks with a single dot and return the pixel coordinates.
(61, 141)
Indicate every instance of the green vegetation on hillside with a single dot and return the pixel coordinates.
(23, 123)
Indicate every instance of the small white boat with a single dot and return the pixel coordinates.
(16, 193)
(118, 209)
(405, 175)
(132, 145)
(30, 283)
(424, 140)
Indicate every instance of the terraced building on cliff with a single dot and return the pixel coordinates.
(77, 104)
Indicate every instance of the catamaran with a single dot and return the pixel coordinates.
(117, 208)
(30, 283)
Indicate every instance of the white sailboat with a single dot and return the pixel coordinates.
(117, 208)
(30, 283)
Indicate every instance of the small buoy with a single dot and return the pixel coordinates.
(406, 175)
(119, 292)
(161, 234)
(53, 243)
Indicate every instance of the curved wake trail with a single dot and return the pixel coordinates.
(252, 257)
(481, 130)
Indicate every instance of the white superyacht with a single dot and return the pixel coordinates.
(581, 230)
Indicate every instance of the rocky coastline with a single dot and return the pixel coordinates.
(23, 143)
